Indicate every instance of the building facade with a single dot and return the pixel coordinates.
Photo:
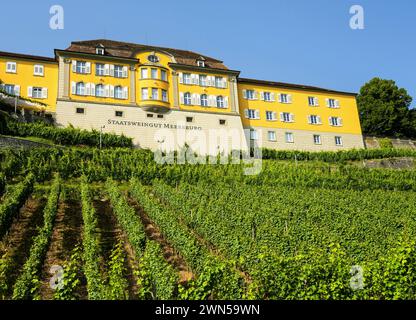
(164, 98)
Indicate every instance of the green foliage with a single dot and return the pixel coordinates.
(157, 280)
(12, 201)
(2, 183)
(66, 290)
(197, 256)
(127, 218)
(385, 143)
(6, 266)
(64, 136)
(384, 109)
(91, 247)
(28, 282)
(117, 287)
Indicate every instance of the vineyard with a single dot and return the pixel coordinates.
(80, 223)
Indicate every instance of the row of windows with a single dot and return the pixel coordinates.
(290, 137)
(203, 100)
(32, 92)
(153, 94)
(290, 117)
(286, 98)
(38, 69)
(202, 80)
(101, 69)
(154, 74)
(99, 90)
(79, 110)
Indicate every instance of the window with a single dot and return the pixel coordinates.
(160, 116)
(222, 122)
(270, 116)
(335, 121)
(254, 135)
(9, 88)
(38, 70)
(100, 51)
(145, 94)
(99, 69)
(11, 67)
(286, 117)
(204, 100)
(289, 137)
(189, 119)
(119, 113)
(153, 58)
(250, 94)
(80, 110)
(149, 115)
(118, 92)
(163, 75)
(284, 98)
(267, 96)
(271, 135)
(317, 139)
(81, 67)
(332, 103)
(118, 71)
(80, 89)
(313, 119)
(99, 90)
(203, 80)
(313, 102)
(164, 95)
(219, 82)
(187, 78)
(153, 73)
(144, 73)
(251, 114)
(187, 98)
(200, 63)
(220, 102)
(155, 94)
(338, 141)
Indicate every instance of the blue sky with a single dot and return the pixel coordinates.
(297, 41)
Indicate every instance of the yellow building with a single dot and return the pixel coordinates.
(165, 97)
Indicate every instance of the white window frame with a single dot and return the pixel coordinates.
(312, 101)
(335, 121)
(203, 81)
(254, 134)
(39, 70)
(317, 140)
(250, 94)
(200, 63)
(100, 93)
(220, 102)
(269, 116)
(145, 93)
(187, 78)
(11, 67)
(144, 73)
(187, 99)
(100, 51)
(118, 92)
(163, 75)
(118, 71)
(271, 136)
(100, 69)
(288, 118)
(204, 100)
(153, 73)
(81, 67)
(164, 95)
(251, 114)
(80, 92)
(9, 88)
(289, 137)
(338, 141)
(155, 94)
(39, 92)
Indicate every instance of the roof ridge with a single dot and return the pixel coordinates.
(148, 46)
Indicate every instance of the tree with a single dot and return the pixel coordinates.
(385, 109)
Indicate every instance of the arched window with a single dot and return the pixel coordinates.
(99, 90)
(187, 98)
(220, 102)
(118, 92)
(204, 100)
(80, 89)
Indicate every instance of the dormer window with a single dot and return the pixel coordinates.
(100, 50)
(200, 62)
